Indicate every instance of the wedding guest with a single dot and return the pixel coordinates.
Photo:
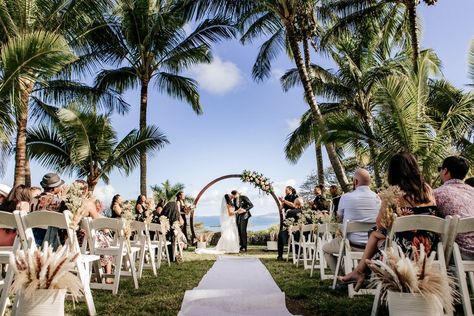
(287, 204)
(116, 206)
(470, 181)
(158, 211)
(184, 211)
(360, 205)
(35, 191)
(50, 199)
(319, 203)
(4, 191)
(140, 208)
(456, 198)
(171, 211)
(418, 199)
(335, 196)
(19, 199)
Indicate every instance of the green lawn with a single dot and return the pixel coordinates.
(162, 295)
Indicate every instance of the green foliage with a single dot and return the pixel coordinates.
(168, 191)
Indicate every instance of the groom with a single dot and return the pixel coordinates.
(242, 205)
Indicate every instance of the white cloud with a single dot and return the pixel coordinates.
(277, 73)
(218, 77)
(104, 193)
(292, 124)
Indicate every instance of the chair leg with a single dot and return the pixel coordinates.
(5, 290)
(130, 258)
(314, 257)
(84, 276)
(141, 260)
(118, 270)
(338, 264)
(375, 304)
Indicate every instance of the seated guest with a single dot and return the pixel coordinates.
(116, 206)
(4, 191)
(140, 208)
(470, 181)
(287, 204)
(360, 205)
(319, 203)
(35, 191)
(418, 199)
(50, 200)
(158, 211)
(335, 196)
(456, 198)
(18, 199)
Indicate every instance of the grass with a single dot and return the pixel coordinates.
(162, 295)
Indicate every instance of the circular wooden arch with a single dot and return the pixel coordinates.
(210, 184)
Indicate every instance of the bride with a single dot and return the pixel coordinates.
(229, 241)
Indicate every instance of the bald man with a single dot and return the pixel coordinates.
(360, 205)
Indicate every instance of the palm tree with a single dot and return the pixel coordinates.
(37, 38)
(84, 143)
(147, 42)
(397, 18)
(362, 65)
(168, 191)
(288, 23)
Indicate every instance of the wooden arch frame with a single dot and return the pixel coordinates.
(210, 184)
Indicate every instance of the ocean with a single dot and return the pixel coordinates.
(256, 222)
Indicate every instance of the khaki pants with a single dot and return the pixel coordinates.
(331, 249)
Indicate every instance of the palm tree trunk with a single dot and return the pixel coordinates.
(26, 86)
(27, 173)
(415, 45)
(375, 165)
(317, 116)
(319, 162)
(143, 124)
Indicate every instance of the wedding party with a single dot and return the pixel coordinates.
(291, 157)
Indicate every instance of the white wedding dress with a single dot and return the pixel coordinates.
(229, 241)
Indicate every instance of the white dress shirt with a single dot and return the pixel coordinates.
(361, 205)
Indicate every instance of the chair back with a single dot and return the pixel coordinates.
(465, 225)
(7, 220)
(356, 227)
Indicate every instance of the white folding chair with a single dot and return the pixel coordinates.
(159, 241)
(430, 223)
(27, 221)
(119, 250)
(306, 245)
(464, 268)
(324, 234)
(351, 256)
(147, 249)
(292, 230)
(7, 221)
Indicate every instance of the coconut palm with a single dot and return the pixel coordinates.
(168, 191)
(84, 143)
(362, 65)
(146, 40)
(289, 24)
(396, 17)
(37, 38)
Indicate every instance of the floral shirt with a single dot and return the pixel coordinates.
(457, 198)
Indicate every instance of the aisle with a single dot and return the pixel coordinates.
(235, 286)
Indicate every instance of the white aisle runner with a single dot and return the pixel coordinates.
(235, 286)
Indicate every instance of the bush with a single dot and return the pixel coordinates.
(258, 238)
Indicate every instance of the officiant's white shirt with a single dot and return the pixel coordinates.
(361, 205)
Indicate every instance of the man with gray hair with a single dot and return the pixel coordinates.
(360, 205)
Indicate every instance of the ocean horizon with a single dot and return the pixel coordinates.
(256, 222)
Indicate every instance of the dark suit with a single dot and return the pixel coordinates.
(171, 211)
(243, 219)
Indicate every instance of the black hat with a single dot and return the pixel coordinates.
(51, 180)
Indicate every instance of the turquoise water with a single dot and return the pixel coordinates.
(256, 223)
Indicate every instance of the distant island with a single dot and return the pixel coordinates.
(256, 222)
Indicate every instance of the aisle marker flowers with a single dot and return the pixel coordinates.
(75, 202)
(258, 180)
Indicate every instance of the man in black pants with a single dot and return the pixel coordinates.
(242, 205)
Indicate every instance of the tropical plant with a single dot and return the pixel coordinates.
(37, 39)
(289, 24)
(398, 19)
(168, 191)
(84, 143)
(147, 41)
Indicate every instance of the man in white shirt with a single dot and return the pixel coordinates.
(360, 205)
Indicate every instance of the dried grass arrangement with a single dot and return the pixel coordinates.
(390, 203)
(127, 217)
(419, 276)
(76, 203)
(46, 269)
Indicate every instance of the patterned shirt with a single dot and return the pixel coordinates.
(457, 198)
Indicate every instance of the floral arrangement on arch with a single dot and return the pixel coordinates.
(46, 269)
(258, 180)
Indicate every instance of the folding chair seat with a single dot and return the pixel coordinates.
(160, 243)
(147, 249)
(305, 245)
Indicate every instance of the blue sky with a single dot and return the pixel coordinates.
(245, 124)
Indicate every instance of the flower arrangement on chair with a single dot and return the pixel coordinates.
(258, 180)
(75, 203)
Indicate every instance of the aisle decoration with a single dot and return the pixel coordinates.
(390, 204)
(408, 286)
(165, 224)
(43, 278)
(75, 202)
(258, 180)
